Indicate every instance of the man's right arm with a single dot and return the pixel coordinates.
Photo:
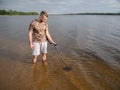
(30, 32)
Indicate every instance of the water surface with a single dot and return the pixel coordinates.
(89, 44)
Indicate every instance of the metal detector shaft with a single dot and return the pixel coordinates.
(60, 56)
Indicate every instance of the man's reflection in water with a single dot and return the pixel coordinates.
(36, 71)
(41, 77)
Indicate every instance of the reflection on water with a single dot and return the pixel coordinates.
(41, 78)
(88, 44)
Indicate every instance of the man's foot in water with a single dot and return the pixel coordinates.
(45, 62)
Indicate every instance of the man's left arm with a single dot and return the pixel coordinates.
(49, 36)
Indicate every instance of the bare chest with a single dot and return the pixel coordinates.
(40, 26)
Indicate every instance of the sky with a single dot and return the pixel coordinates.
(61, 6)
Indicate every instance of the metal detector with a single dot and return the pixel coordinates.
(66, 67)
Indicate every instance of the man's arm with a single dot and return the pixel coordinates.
(49, 36)
(30, 32)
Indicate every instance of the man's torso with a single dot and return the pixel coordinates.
(39, 31)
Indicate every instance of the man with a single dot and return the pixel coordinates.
(38, 35)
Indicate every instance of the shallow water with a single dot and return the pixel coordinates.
(90, 45)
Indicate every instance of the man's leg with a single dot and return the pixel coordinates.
(35, 52)
(34, 60)
(44, 58)
(44, 51)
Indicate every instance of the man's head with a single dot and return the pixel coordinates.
(43, 16)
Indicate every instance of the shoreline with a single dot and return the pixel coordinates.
(68, 14)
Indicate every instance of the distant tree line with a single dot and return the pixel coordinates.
(14, 12)
(93, 14)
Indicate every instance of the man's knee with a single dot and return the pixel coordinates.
(35, 57)
(44, 56)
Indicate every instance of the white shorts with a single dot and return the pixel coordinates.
(39, 47)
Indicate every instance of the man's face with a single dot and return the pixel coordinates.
(43, 18)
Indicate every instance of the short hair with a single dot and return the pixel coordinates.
(44, 13)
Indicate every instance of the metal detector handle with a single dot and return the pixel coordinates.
(60, 56)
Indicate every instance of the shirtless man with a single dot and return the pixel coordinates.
(38, 35)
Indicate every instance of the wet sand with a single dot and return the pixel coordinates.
(89, 70)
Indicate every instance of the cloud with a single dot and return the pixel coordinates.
(62, 6)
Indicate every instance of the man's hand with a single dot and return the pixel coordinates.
(55, 44)
(31, 46)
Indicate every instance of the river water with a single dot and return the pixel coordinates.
(89, 44)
